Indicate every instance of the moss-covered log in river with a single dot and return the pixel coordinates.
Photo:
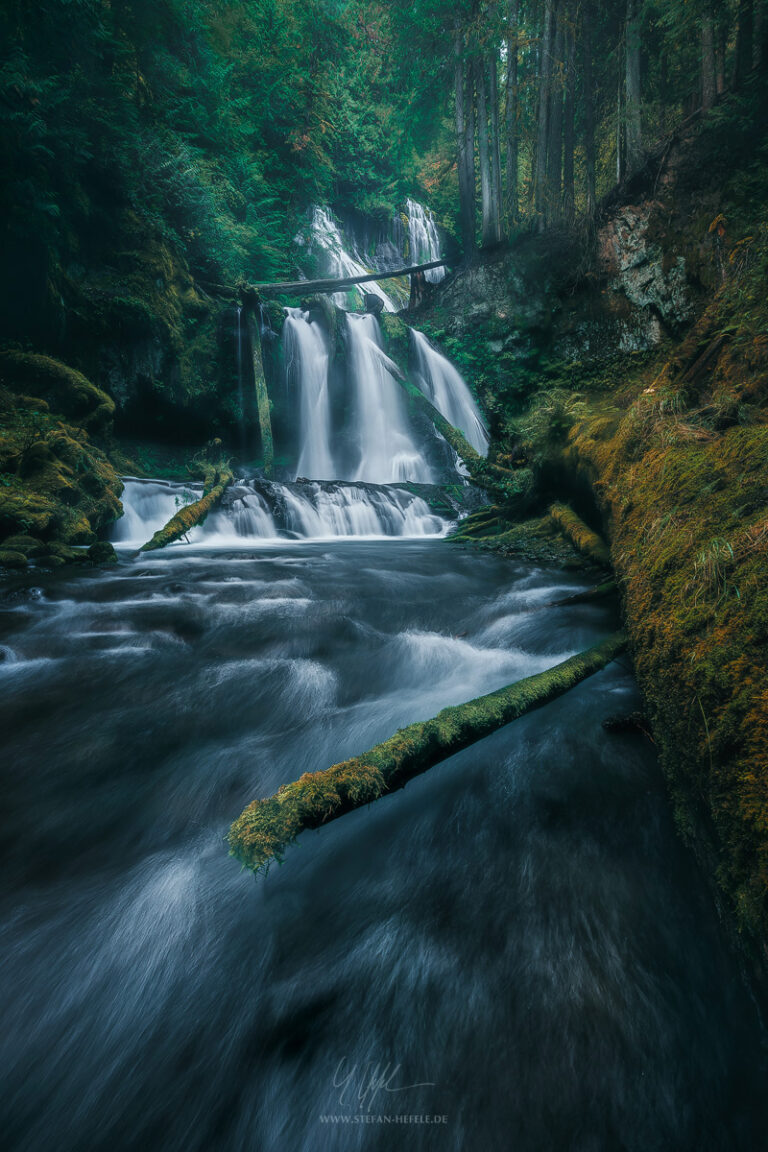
(266, 827)
(217, 478)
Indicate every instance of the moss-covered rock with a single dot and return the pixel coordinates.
(102, 552)
(12, 559)
(66, 391)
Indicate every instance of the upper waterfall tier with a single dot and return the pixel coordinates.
(357, 244)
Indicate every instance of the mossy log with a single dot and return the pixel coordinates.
(580, 535)
(218, 477)
(266, 827)
(513, 486)
(262, 395)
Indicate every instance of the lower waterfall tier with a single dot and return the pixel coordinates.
(260, 510)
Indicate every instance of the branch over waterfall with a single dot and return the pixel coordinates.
(266, 827)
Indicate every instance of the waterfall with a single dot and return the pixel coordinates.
(424, 239)
(306, 357)
(444, 386)
(386, 446)
(339, 262)
(260, 510)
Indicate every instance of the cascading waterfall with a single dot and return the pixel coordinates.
(384, 438)
(306, 356)
(260, 510)
(326, 233)
(424, 239)
(448, 391)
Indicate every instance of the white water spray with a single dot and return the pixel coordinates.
(387, 449)
(448, 391)
(424, 239)
(306, 357)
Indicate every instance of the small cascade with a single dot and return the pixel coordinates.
(424, 239)
(306, 358)
(260, 510)
(148, 505)
(339, 261)
(448, 391)
(387, 450)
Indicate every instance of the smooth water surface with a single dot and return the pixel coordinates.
(518, 931)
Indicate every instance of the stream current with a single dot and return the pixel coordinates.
(514, 952)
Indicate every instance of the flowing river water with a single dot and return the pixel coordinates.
(514, 952)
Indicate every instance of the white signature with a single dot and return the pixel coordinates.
(366, 1081)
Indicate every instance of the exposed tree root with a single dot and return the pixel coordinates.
(266, 827)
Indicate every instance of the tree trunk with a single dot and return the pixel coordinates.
(708, 65)
(555, 146)
(511, 117)
(589, 111)
(495, 143)
(487, 228)
(634, 137)
(569, 137)
(542, 130)
(744, 41)
(465, 149)
(721, 39)
(262, 395)
(267, 827)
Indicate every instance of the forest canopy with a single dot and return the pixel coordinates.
(212, 125)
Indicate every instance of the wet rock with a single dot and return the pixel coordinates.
(11, 559)
(102, 552)
(373, 304)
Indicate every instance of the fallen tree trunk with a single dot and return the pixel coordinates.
(310, 286)
(266, 827)
(218, 477)
(580, 535)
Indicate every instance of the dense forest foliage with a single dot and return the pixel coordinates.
(211, 125)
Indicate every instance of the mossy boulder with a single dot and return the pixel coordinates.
(65, 390)
(29, 545)
(102, 552)
(12, 559)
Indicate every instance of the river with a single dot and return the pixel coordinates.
(514, 952)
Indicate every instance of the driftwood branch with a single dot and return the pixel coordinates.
(266, 827)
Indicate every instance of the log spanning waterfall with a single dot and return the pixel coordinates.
(448, 391)
(254, 512)
(339, 261)
(423, 239)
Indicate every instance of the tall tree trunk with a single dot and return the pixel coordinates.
(758, 45)
(511, 112)
(744, 41)
(708, 65)
(589, 108)
(634, 137)
(495, 144)
(466, 148)
(569, 134)
(555, 142)
(721, 39)
(487, 228)
(621, 152)
(542, 130)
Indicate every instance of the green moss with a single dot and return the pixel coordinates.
(12, 559)
(581, 536)
(266, 827)
(65, 390)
